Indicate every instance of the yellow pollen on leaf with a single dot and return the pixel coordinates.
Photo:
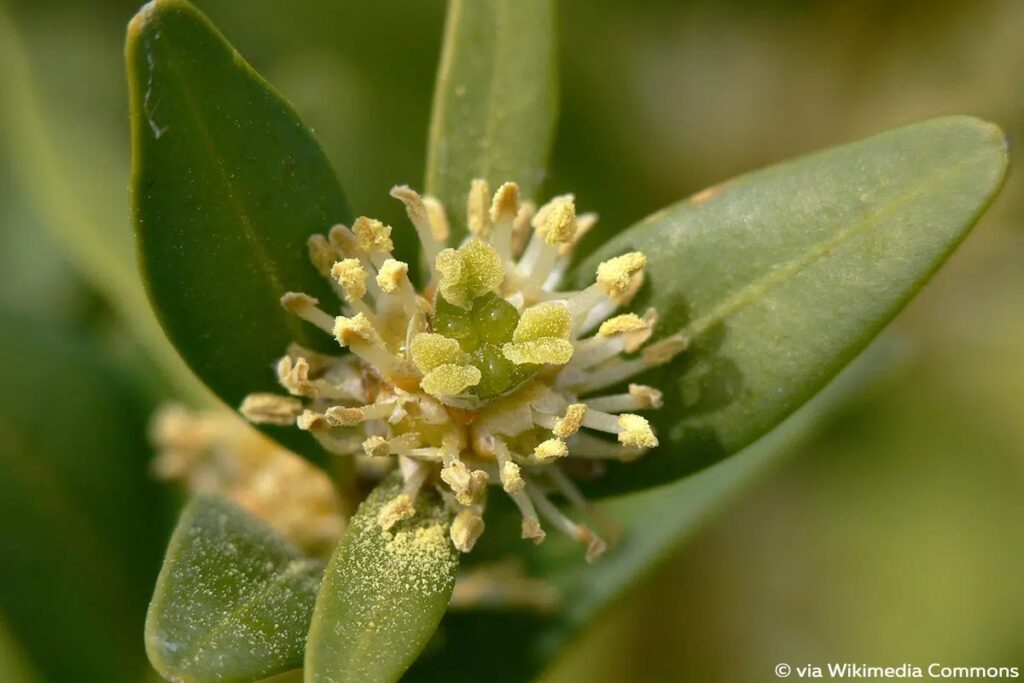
(372, 236)
(614, 275)
(636, 432)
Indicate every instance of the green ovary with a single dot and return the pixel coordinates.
(481, 331)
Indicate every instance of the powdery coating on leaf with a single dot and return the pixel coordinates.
(233, 601)
(384, 591)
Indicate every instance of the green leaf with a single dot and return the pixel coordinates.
(778, 278)
(14, 663)
(515, 646)
(227, 185)
(384, 592)
(81, 520)
(495, 101)
(71, 178)
(233, 600)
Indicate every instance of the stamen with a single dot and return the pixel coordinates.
(396, 510)
(504, 208)
(640, 397)
(521, 227)
(466, 529)
(307, 308)
(614, 276)
(438, 219)
(590, 447)
(478, 220)
(469, 485)
(373, 238)
(570, 424)
(551, 449)
(432, 236)
(555, 225)
(322, 254)
(271, 409)
(594, 544)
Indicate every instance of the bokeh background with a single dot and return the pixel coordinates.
(896, 535)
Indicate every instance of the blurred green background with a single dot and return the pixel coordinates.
(896, 536)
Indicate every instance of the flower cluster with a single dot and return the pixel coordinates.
(487, 375)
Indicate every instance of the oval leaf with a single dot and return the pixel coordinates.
(780, 277)
(384, 592)
(80, 517)
(233, 600)
(495, 101)
(227, 185)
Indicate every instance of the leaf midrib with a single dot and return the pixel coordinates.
(786, 271)
(263, 260)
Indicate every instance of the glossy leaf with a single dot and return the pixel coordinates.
(233, 600)
(495, 101)
(228, 184)
(81, 520)
(778, 278)
(511, 646)
(384, 592)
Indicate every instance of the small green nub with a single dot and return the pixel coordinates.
(481, 331)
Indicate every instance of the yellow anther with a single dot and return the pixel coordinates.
(505, 205)
(466, 529)
(648, 396)
(615, 275)
(271, 409)
(629, 322)
(352, 277)
(438, 219)
(571, 423)
(376, 446)
(468, 486)
(372, 236)
(560, 223)
(636, 432)
(550, 450)
(664, 350)
(391, 275)
(355, 330)
(341, 416)
(430, 351)
(450, 379)
(396, 510)
(321, 254)
(297, 302)
(310, 420)
(511, 478)
(471, 271)
(477, 219)
(531, 529)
